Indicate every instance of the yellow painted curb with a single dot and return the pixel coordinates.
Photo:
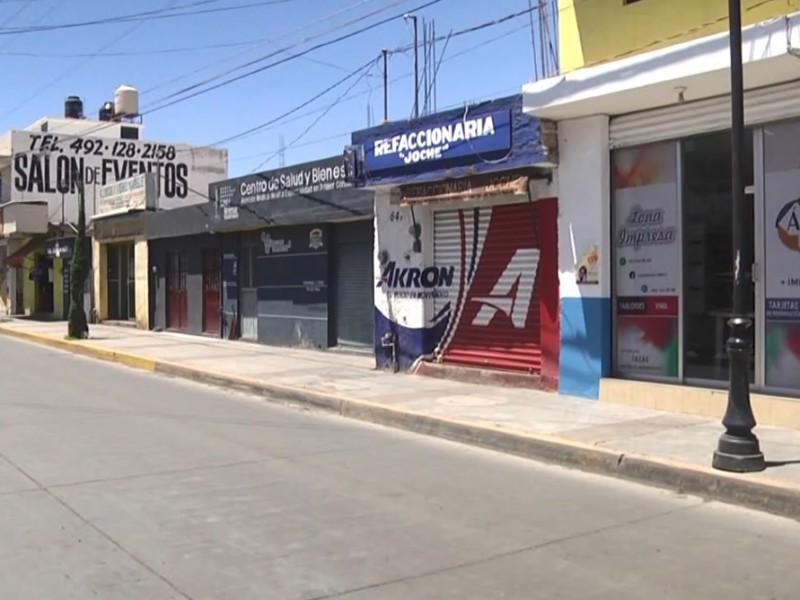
(84, 348)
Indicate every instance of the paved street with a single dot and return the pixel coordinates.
(119, 484)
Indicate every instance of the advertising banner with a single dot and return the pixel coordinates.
(647, 260)
(782, 255)
(136, 193)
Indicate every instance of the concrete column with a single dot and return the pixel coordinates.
(584, 224)
(141, 264)
(100, 272)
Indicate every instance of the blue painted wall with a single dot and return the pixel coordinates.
(585, 345)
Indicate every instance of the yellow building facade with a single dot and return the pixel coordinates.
(598, 31)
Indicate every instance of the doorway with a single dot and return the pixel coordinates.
(177, 301)
(45, 301)
(212, 271)
(121, 277)
(708, 253)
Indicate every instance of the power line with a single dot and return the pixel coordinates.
(261, 42)
(136, 25)
(364, 74)
(266, 124)
(289, 58)
(145, 16)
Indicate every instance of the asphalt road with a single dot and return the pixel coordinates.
(118, 484)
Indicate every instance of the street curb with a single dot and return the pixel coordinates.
(762, 494)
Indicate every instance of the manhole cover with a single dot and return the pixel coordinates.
(470, 401)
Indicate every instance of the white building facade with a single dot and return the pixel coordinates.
(644, 178)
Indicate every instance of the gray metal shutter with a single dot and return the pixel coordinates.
(763, 105)
(355, 300)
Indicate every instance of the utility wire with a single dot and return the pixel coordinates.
(276, 63)
(266, 124)
(136, 25)
(271, 40)
(150, 15)
(365, 73)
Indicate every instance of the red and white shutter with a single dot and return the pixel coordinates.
(495, 308)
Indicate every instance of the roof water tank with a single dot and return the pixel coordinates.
(107, 111)
(126, 101)
(73, 107)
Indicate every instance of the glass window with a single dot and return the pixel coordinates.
(708, 252)
(782, 252)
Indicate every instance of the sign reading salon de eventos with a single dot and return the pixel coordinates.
(479, 138)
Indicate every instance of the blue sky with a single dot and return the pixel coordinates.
(42, 68)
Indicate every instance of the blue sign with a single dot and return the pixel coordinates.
(459, 137)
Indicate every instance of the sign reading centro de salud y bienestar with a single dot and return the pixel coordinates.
(435, 142)
(308, 178)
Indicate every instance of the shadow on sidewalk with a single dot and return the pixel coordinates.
(771, 464)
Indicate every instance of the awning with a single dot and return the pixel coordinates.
(16, 258)
(689, 71)
(465, 188)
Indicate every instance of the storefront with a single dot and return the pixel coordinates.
(282, 257)
(120, 261)
(658, 177)
(467, 252)
(58, 253)
(24, 282)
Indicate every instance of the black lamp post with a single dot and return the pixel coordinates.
(738, 448)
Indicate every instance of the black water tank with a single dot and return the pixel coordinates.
(107, 111)
(73, 107)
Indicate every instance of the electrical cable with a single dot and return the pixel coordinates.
(271, 65)
(364, 74)
(144, 16)
(272, 40)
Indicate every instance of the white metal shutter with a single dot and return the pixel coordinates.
(446, 253)
(761, 106)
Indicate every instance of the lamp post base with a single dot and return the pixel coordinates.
(738, 454)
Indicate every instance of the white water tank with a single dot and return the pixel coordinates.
(126, 101)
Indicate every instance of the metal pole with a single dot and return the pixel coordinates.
(413, 17)
(416, 69)
(738, 448)
(385, 85)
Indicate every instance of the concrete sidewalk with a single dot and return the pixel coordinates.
(663, 449)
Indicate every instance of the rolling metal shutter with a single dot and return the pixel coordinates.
(761, 106)
(355, 321)
(494, 309)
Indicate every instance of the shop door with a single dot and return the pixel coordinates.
(492, 255)
(249, 293)
(212, 272)
(177, 304)
(121, 279)
(708, 253)
(45, 301)
(354, 313)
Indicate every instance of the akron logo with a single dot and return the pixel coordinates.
(788, 225)
(518, 273)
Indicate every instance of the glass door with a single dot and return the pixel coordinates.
(708, 253)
